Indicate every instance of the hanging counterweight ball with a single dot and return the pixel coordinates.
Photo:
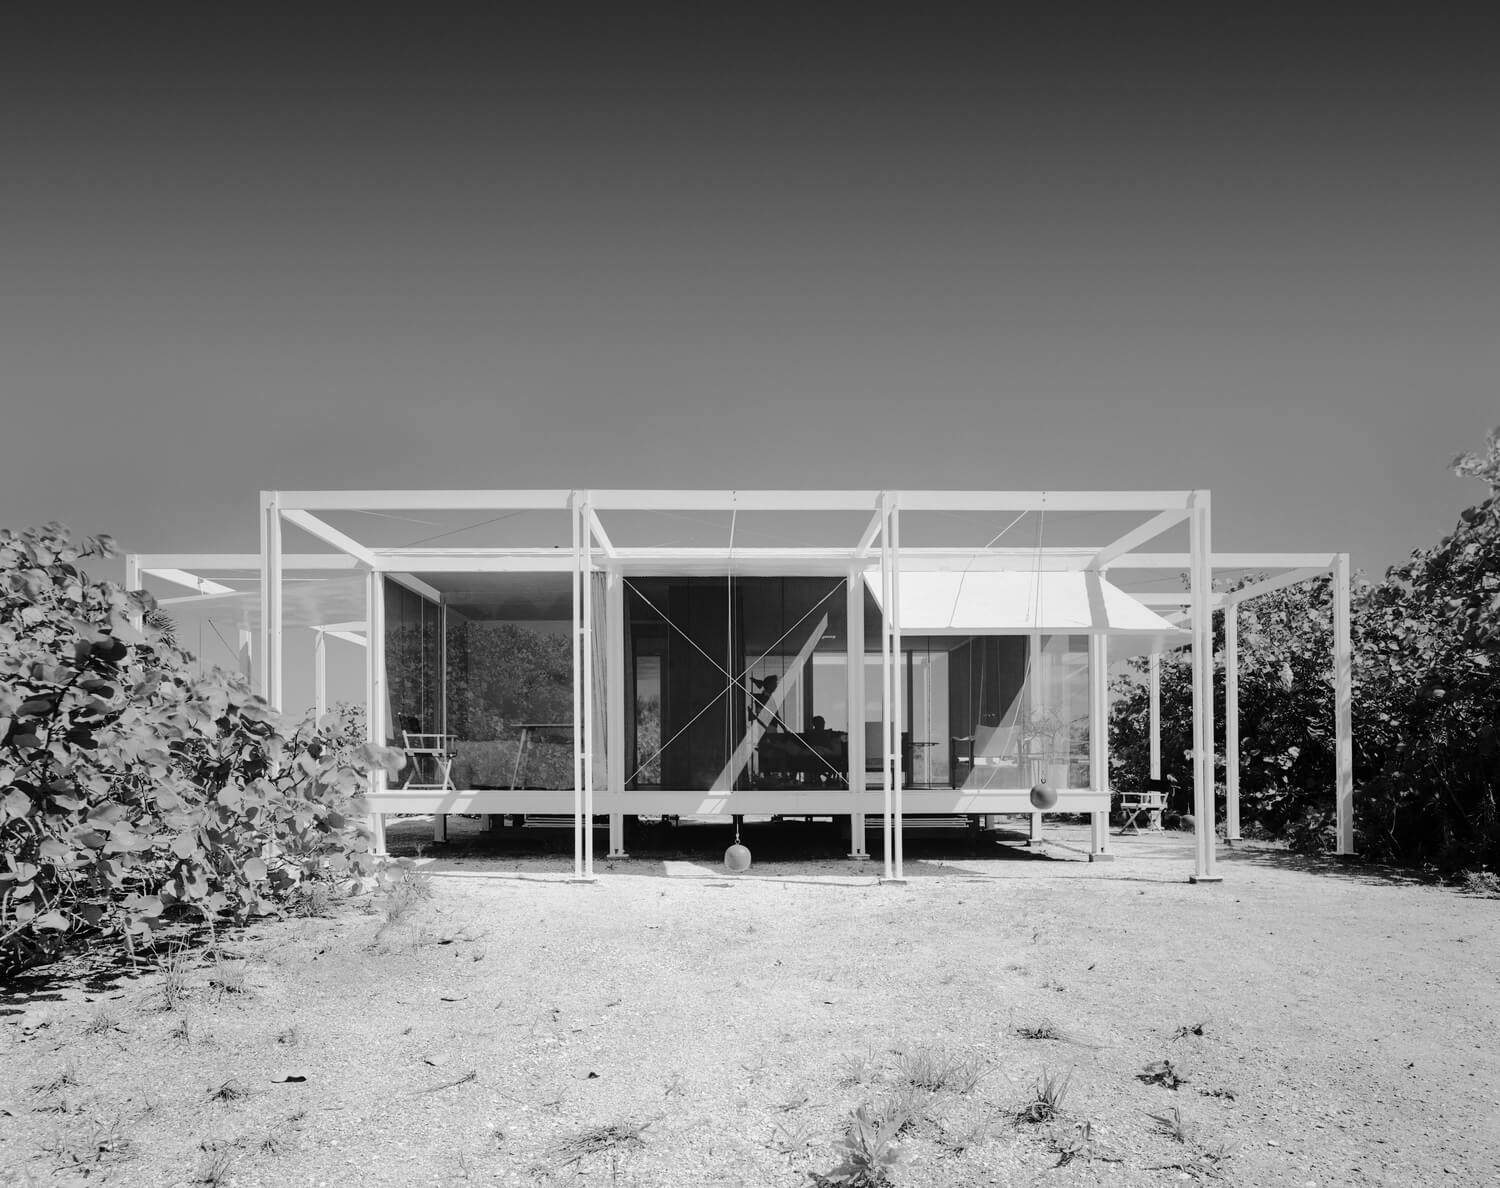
(737, 858)
(1043, 796)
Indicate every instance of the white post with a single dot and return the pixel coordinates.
(898, 691)
(133, 582)
(1034, 695)
(586, 584)
(573, 503)
(1231, 720)
(1200, 588)
(885, 677)
(270, 599)
(1343, 702)
(614, 703)
(1099, 742)
(375, 730)
(854, 693)
(320, 674)
(1153, 686)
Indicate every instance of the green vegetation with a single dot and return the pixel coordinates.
(132, 790)
(1426, 703)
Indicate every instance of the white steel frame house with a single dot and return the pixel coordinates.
(967, 590)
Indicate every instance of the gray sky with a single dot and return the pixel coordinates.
(1259, 258)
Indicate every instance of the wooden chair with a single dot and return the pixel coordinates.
(429, 759)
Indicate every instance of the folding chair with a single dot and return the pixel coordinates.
(435, 754)
(1151, 799)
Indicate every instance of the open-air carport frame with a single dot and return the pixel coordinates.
(592, 550)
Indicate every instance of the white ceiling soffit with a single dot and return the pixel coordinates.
(945, 603)
(303, 604)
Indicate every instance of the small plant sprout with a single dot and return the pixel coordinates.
(1043, 1029)
(1047, 1097)
(172, 986)
(869, 1149)
(1171, 1124)
(1082, 1144)
(611, 1140)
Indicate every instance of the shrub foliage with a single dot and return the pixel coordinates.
(133, 789)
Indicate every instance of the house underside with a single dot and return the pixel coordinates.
(589, 663)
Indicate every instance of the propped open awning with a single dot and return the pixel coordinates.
(309, 602)
(1012, 601)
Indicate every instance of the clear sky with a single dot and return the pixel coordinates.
(1163, 249)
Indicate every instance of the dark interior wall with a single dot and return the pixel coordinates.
(986, 675)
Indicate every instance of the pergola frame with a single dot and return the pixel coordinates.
(593, 550)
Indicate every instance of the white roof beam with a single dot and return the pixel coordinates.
(1227, 561)
(423, 500)
(1279, 582)
(1151, 529)
(180, 577)
(1048, 500)
(415, 584)
(328, 534)
(734, 500)
(872, 530)
(154, 562)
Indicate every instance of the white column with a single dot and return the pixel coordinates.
(1231, 720)
(854, 693)
(1343, 703)
(320, 674)
(1099, 742)
(270, 599)
(1035, 696)
(614, 704)
(133, 582)
(898, 690)
(885, 679)
(1153, 694)
(375, 729)
(1201, 590)
(573, 503)
(586, 586)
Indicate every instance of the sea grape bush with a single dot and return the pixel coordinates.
(131, 788)
(1426, 711)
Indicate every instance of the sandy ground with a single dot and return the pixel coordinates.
(1349, 1027)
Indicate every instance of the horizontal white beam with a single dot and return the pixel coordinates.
(823, 803)
(1279, 582)
(195, 562)
(424, 500)
(1227, 561)
(328, 534)
(1151, 529)
(1048, 500)
(350, 637)
(734, 500)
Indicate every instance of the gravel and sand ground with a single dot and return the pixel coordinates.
(674, 1025)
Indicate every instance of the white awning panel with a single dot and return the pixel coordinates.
(1001, 602)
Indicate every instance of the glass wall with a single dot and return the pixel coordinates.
(735, 684)
(413, 661)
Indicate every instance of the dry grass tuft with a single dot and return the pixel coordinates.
(102, 1022)
(938, 1071)
(612, 1139)
(96, 1143)
(230, 1090)
(1047, 1097)
(214, 1167)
